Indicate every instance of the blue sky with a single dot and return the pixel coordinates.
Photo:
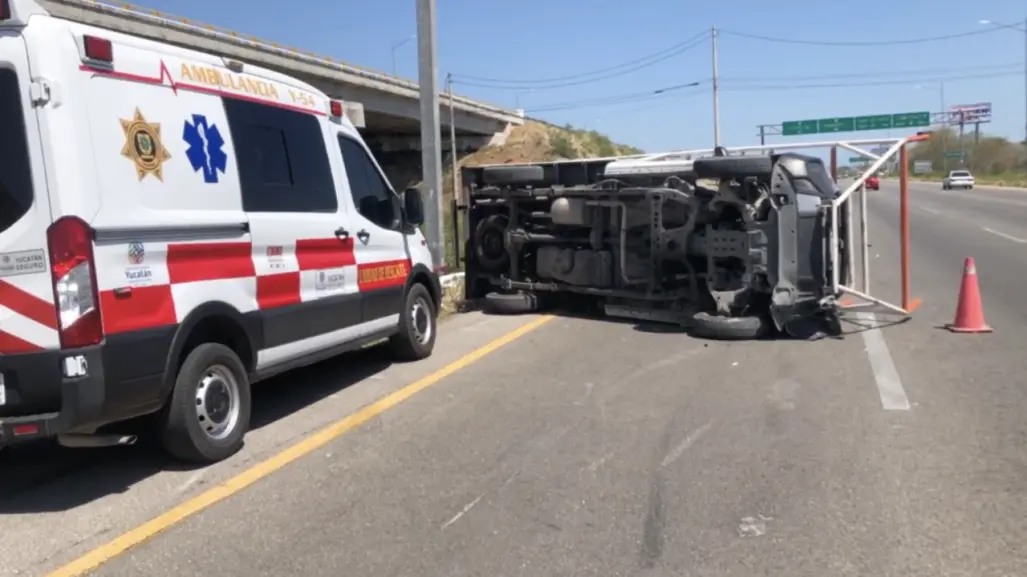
(547, 39)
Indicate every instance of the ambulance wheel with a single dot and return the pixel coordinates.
(417, 322)
(209, 409)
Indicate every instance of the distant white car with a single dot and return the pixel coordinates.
(958, 179)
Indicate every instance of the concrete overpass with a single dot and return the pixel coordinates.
(384, 107)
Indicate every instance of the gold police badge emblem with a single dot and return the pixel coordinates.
(143, 146)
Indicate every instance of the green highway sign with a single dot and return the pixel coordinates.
(875, 122)
(954, 154)
(855, 159)
(911, 119)
(856, 123)
(794, 127)
(836, 125)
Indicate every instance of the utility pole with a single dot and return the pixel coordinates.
(431, 154)
(944, 138)
(962, 148)
(452, 145)
(716, 101)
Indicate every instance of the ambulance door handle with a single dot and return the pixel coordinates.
(342, 233)
(363, 235)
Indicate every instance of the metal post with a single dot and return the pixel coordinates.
(962, 149)
(431, 158)
(453, 163)
(763, 135)
(904, 221)
(944, 138)
(716, 84)
(834, 163)
(864, 237)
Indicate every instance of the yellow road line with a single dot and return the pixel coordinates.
(144, 532)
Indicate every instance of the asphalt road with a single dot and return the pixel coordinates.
(591, 447)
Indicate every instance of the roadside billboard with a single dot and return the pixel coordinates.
(922, 167)
(970, 113)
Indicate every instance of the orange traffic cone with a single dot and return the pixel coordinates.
(969, 312)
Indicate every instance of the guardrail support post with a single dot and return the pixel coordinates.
(904, 221)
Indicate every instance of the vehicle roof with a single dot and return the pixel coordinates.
(34, 11)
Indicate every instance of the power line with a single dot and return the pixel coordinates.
(660, 93)
(906, 81)
(582, 78)
(617, 99)
(897, 42)
(886, 73)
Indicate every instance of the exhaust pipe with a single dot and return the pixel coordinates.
(95, 441)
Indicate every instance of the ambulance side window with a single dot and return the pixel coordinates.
(282, 159)
(15, 174)
(371, 194)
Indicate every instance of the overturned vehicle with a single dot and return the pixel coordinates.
(732, 247)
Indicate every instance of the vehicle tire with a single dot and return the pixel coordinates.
(510, 303)
(208, 413)
(490, 250)
(705, 325)
(417, 323)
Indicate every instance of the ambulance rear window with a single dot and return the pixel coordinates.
(15, 174)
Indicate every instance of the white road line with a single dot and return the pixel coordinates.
(1004, 235)
(889, 385)
(929, 210)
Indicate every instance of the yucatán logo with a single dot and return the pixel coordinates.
(137, 273)
(206, 148)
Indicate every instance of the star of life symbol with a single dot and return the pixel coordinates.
(206, 148)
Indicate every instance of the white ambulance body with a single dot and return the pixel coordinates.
(175, 226)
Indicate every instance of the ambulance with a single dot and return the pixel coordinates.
(175, 226)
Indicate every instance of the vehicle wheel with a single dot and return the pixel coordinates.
(705, 325)
(510, 303)
(490, 249)
(416, 337)
(209, 410)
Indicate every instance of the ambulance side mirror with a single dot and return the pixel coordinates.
(413, 207)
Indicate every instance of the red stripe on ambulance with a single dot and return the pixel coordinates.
(384, 274)
(278, 290)
(137, 308)
(28, 305)
(209, 261)
(10, 345)
(318, 253)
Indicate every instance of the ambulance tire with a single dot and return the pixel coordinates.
(417, 326)
(197, 426)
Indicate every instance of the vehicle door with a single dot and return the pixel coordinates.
(28, 317)
(302, 250)
(382, 254)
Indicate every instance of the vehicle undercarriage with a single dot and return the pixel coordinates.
(735, 245)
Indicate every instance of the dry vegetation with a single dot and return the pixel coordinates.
(992, 159)
(532, 142)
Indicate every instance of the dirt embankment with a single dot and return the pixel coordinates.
(537, 142)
